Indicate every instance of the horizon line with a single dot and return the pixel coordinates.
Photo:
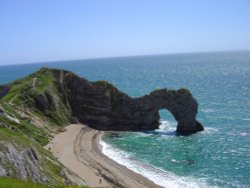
(125, 56)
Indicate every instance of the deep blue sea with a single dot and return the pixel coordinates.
(217, 157)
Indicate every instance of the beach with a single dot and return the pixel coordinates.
(79, 149)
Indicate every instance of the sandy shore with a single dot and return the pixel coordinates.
(78, 149)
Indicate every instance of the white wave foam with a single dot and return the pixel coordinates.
(238, 133)
(207, 110)
(243, 134)
(210, 130)
(170, 127)
(246, 119)
(167, 126)
(158, 176)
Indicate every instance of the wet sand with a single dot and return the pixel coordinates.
(79, 149)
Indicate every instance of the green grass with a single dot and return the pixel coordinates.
(15, 183)
(20, 102)
(22, 90)
(26, 128)
(21, 97)
(8, 134)
(49, 164)
(22, 142)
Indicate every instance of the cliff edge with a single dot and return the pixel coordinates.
(63, 97)
(35, 108)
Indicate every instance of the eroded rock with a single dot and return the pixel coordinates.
(102, 106)
(2, 171)
(22, 164)
(27, 164)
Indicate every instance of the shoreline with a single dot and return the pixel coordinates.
(79, 149)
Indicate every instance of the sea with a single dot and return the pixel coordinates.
(220, 81)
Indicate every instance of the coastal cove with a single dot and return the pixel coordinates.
(45, 101)
(216, 157)
(125, 94)
(79, 149)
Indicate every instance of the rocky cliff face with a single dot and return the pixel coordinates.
(28, 163)
(35, 107)
(30, 111)
(102, 106)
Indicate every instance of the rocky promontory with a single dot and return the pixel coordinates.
(100, 105)
(35, 108)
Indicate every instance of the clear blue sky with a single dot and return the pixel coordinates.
(48, 30)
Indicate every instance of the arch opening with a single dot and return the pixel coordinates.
(167, 121)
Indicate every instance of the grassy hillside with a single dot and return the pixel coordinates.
(33, 106)
(32, 109)
(15, 183)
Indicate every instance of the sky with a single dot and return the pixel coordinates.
(51, 30)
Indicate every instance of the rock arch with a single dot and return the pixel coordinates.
(180, 103)
(102, 106)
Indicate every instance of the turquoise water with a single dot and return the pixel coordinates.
(217, 157)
